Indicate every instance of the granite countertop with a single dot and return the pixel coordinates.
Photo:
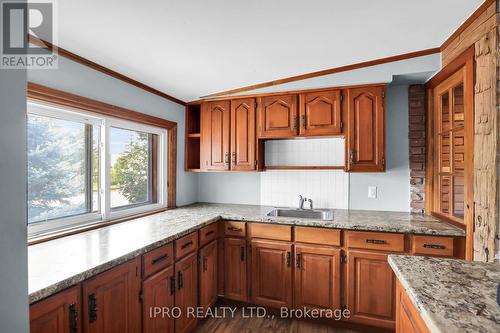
(61, 263)
(451, 295)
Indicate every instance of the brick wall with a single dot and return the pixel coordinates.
(416, 133)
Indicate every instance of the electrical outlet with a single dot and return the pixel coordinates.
(372, 192)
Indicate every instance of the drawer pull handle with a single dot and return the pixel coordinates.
(376, 241)
(160, 258)
(435, 246)
(297, 260)
(73, 318)
(188, 244)
(208, 233)
(288, 258)
(180, 282)
(234, 228)
(172, 285)
(92, 308)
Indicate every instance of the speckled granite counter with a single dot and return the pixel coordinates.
(60, 263)
(451, 295)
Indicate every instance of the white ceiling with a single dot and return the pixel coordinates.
(191, 48)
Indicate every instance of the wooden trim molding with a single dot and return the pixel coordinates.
(39, 93)
(57, 97)
(486, 4)
(86, 62)
(328, 71)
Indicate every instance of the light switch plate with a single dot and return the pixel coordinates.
(372, 192)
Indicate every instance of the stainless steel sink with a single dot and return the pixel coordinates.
(320, 214)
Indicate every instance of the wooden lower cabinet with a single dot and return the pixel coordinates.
(186, 294)
(371, 289)
(158, 291)
(408, 319)
(111, 300)
(208, 273)
(235, 269)
(57, 314)
(317, 277)
(271, 273)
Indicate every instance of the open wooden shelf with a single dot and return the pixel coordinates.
(192, 150)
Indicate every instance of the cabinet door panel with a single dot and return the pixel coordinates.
(243, 134)
(187, 291)
(317, 277)
(320, 113)
(277, 116)
(208, 274)
(59, 313)
(235, 282)
(158, 291)
(111, 300)
(366, 137)
(271, 273)
(215, 135)
(371, 289)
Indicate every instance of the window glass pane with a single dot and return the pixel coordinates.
(458, 106)
(445, 112)
(444, 195)
(59, 168)
(130, 174)
(445, 153)
(458, 196)
(458, 151)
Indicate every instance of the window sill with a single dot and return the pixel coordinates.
(91, 226)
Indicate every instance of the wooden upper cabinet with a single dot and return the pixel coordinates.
(186, 295)
(271, 273)
(215, 136)
(59, 313)
(235, 269)
(320, 113)
(243, 134)
(277, 116)
(317, 277)
(371, 289)
(365, 129)
(208, 272)
(158, 291)
(111, 300)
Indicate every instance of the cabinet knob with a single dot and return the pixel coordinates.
(351, 156)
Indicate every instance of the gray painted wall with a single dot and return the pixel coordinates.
(393, 186)
(13, 251)
(81, 80)
(229, 187)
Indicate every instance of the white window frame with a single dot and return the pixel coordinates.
(105, 213)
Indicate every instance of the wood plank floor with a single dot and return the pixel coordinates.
(239, 324)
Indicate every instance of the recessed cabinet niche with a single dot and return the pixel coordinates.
(229, 135)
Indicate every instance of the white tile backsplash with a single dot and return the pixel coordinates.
(309, 152)
(327, 188)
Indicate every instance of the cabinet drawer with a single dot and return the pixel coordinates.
(270, 231)
(432, 245)
(209, 233)
(376, 241)
(235, 229)
(317, 236)
(186, 245)
(157, 259)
